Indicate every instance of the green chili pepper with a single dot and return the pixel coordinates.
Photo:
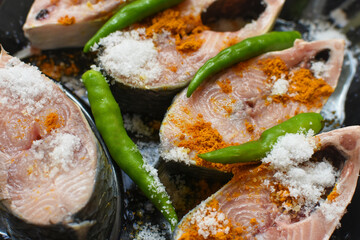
(129, 14)
(256, 150)
(244, 50)
(123, 150)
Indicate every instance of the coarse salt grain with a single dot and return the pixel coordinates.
(59, 150)
(177, 154)
(131, 57)
(64, 146)
(209, 221)
(280, 87)
(150, 232)
(153, 172)
(149, 152)
(23, 86)
(156, 184)
(320, 69)
(332, 210)
(290, 150)
(319, 30)
(95, 68)
(305, 180)
(134, 124)
(309, 181)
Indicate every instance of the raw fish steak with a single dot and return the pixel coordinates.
(302, 201)
(55, 180)
(238, 104)
(52, 24)
(154, 59)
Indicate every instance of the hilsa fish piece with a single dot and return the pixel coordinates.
(238, 104)
(52, 24)
(251, 207)
(56, 180)
(150, 62)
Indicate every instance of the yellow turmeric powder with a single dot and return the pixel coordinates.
(21, 127)
(228, 42)
(333, 195)
(51, 121)
(307, 89)
(66, 20)
(228, 109)
(253, 221)
(185, 29)
(249, 127)
(241, 67)
(225, 231)
(223, 104)
(54, 70)
(225, 85)
(173, 68)
(200, 137)
(304, 87)
(54, 2)
(30, 170)
(274, 67)
(281, 197)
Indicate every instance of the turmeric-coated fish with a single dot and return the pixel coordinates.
(238, 104)
(308, 202)
(154, 59)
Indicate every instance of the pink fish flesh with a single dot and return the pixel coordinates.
(52, 24)
(230, 113)
(150, 71)
(168, 58)
(53, 171)
(248, 204)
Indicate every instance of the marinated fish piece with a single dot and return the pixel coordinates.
(237, 105)
(52, 24)
(255, 205)
(56, 181)
(153, 60)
